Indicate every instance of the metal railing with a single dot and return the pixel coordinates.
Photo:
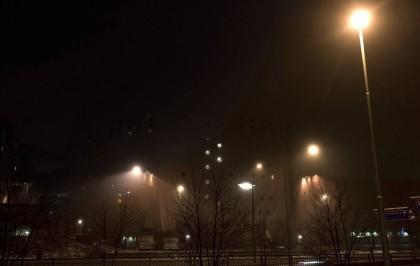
(409, 258)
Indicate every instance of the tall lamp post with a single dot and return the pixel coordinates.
(360, 20)
(250, 186)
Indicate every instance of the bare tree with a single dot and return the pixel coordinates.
(125, 217)
(114, 218)
(210, 212)
(101, 223)
(335, 224)
(189, 213)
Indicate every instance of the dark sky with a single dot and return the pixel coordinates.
(263, 77)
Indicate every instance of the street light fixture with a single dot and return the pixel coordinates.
(259, 166)
(313, 150)
(359, 21)
(246, 186)
(136, 170)
(180, 189)
(250, 186)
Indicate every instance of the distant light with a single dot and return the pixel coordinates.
(207, 152)
(129, 132)
(300, 237)
(259, 166)
(312, 262)
(324, 197)
(246, 185)
(359, 19)
(180, 189)
(187, 237)
(219, 159)
(272, 177)
(219, 145)
(128, 192)
(80, 221)
(207, 166)
(136, 170)
(207, 182)
(375, 234)
(207, 196)
(367, 234)
(26, 232)
(313, 150)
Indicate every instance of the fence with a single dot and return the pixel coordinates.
(231, 260)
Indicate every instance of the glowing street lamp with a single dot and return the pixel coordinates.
(80, 221)
(136, 170)
(259, 166)
(359, 20)
(180, 189)
(313, 150)
(187, 239)
(246, 186)
(300, 241)
(250, 186)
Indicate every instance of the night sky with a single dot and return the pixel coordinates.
(110, 83)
